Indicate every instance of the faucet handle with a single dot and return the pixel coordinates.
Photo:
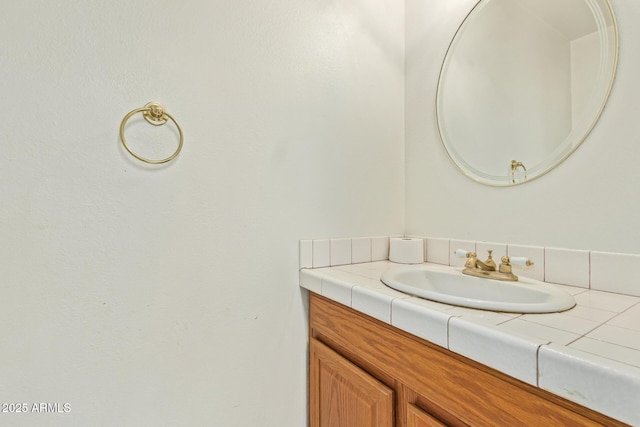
(520, 261)
(507, 262)
(472, 260)
(463, 254)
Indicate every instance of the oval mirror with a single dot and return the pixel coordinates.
(522, 85)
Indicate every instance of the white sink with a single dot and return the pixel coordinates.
(448, 285)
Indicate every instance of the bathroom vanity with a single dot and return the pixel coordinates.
(367, 373)
(381, 357)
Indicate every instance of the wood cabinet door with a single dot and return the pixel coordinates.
(343, 395)
(416, 417)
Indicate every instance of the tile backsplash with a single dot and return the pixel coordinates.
(567, 266)
(604, 271)
(331, 252)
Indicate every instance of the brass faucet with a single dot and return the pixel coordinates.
(487, 269)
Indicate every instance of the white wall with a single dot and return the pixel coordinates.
(168, 295)
(589, 202)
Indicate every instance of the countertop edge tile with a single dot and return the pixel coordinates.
(311, 280)
(372, 303)
(337, 289)
(429, 324)
(515, 356)
(588, 379)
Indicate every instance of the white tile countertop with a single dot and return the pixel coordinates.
(589, 354)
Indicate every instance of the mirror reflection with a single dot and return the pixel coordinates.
(522, 85)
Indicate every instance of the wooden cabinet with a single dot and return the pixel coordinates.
(366, 373)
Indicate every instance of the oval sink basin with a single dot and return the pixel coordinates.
(448, 285)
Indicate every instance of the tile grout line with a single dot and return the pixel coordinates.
(448, 327)
(538, 363)
(590, 271)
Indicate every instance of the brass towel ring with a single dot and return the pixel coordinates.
(157, 115)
